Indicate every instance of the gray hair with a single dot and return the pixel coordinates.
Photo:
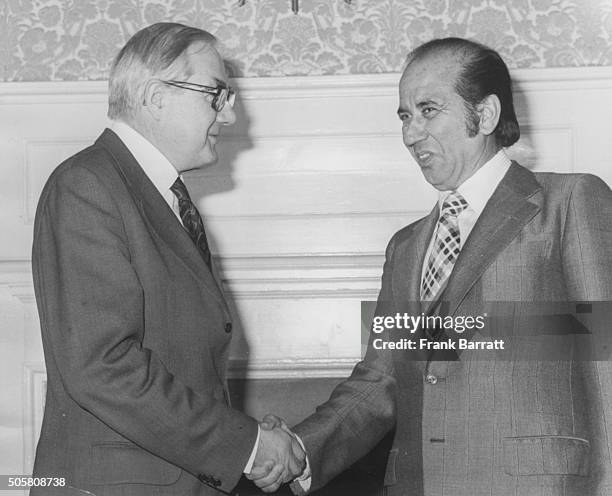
(155, 51)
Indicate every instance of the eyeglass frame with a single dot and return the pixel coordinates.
(216, 91)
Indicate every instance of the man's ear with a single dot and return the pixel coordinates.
(154, 97)
(489, 110)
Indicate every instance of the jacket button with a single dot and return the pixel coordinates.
(228, 327)
(431, 379)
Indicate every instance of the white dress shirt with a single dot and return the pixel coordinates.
(477, 190)
(153, 162)
(162, 174)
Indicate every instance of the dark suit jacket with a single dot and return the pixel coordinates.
(487, 426)
(136, 333)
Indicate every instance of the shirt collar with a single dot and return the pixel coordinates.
(154, 164)
(478, 188)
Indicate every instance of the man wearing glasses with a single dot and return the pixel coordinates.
(135, 327)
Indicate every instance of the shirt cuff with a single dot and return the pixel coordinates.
(249, 465)
(304, 480)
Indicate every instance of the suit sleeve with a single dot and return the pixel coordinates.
(91, 308)
(359, 412)
(587, 240)
(587, 265)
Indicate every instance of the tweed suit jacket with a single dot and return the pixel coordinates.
(135, 332)
(482, 425)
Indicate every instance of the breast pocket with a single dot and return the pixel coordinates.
(526, 253)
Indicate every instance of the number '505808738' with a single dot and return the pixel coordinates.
(24, 482)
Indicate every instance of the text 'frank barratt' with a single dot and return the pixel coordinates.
(426, 344)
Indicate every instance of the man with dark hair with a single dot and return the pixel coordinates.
(481, 72)
(469, 423)
(135, 327)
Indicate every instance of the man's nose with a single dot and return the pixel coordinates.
(413, 131)
(227, 115)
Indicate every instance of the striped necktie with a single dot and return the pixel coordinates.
(191, 220)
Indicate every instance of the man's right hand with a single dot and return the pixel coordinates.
(279, 458)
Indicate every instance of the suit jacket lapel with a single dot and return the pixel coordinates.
(503, 218)
(411, 250)
(155, 210)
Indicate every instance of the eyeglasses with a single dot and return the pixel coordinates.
(222, 94)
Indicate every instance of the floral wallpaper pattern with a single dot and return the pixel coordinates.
(51, 40)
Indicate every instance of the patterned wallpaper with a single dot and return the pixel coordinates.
(42, 40)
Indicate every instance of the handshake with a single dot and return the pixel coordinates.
(280, 457)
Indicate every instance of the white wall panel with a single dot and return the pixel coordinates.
(312, 182)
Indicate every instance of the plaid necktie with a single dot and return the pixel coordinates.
(191, 219)
(446, 248)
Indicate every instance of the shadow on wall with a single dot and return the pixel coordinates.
(219, 178)
(523, 151)
(295, 399)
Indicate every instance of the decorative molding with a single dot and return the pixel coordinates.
(289, 368)
(387, 214)
(35, 386)
(302, 261)
(291, 291)
(24, 293)
(298, 368)
(53, 92)
(563, 78)
(279, 88)
(12, 271)
(16, 275)
(353, 276)
(305, 276)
